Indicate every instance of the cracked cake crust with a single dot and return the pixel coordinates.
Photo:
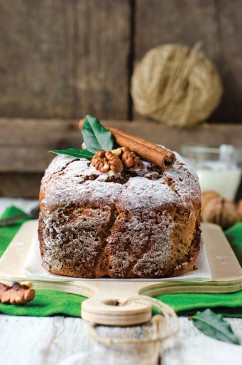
(142, 223)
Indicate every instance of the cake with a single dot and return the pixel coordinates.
(134, 224)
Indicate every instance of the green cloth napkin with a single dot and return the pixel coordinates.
(7, 233)
(234, 236)
(51, 302)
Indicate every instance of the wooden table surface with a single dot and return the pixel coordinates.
(65, 341)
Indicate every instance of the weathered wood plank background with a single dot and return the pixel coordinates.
(60, 60)
(64, 58)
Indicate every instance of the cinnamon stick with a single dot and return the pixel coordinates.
(147, 150)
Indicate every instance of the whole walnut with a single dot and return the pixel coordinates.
(208, 195)
(220, 211)
(239, 210)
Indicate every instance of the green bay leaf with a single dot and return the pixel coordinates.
(75, 152)
(96, 137)
(213, 325)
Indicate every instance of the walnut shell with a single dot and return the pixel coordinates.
(220, 211)
(239, 210)
(208, 195)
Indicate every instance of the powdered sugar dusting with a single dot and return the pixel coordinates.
(141, 192)
(58, 163)
(69, 180)
(184, 178)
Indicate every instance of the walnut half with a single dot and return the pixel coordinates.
(107, 162)
(130, 159)
(17, 293)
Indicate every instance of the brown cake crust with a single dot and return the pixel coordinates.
(135, 224)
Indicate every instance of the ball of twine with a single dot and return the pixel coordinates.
(176, 85)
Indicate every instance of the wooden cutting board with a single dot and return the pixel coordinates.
(106, 295)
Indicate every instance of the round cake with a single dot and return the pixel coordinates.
(143, 224)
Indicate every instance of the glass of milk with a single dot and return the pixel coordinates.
(217, 168)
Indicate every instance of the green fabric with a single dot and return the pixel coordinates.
(7, 233)
(47, 303)
(52, 302)
(234, 236)
(229, 305)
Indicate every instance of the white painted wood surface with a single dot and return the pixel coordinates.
(65, 341)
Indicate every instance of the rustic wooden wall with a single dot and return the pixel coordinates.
(64, 58)
(60, 60)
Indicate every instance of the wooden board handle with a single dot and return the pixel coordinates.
(106, 308)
